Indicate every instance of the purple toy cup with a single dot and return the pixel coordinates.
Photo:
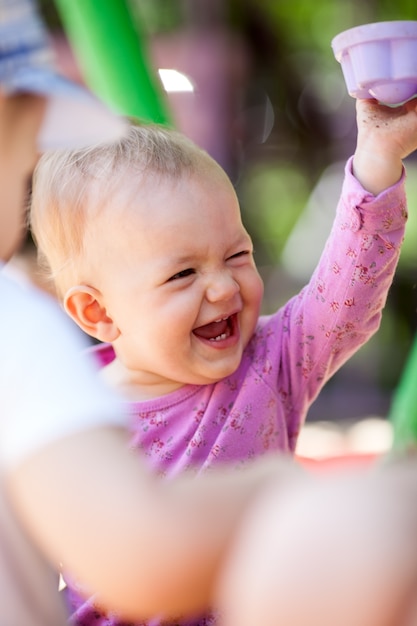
(379, 60)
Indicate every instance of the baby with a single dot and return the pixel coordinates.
(146, 246)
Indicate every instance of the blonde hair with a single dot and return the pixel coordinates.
(72, 186)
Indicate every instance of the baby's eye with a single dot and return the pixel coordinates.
(240, 254)
(182, 274)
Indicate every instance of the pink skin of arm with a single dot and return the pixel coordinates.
(386, 136)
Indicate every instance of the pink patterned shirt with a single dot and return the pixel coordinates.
(292, 354)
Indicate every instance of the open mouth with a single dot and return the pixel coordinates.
(219, 330)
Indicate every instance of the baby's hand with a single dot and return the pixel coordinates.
(385, 136)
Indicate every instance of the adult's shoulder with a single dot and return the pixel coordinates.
(49, 387)
(28, 313)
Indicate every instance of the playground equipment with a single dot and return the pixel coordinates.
(113, 57)
(403, 413)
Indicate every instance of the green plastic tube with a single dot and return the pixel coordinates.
(110, 49)
(403, 413)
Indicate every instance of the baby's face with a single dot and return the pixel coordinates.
(180, 282)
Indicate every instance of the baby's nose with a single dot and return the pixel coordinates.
(221, 286)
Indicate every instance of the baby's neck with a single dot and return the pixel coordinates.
(125, 383)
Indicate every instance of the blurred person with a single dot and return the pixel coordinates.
(145, 244)
(70, 489)
(338, 550)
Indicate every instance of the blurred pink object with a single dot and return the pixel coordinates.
(379, 60)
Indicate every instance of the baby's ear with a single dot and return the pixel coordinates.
(84, 305)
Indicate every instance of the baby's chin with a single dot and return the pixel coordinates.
(218, 374)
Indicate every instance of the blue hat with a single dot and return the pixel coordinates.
(73, 117)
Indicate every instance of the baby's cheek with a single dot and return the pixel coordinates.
(255, 289)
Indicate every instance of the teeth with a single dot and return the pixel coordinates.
(222, 319)
(219, 337)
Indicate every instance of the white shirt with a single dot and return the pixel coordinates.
(48, 387)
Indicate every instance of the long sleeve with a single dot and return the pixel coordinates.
(341, 307)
